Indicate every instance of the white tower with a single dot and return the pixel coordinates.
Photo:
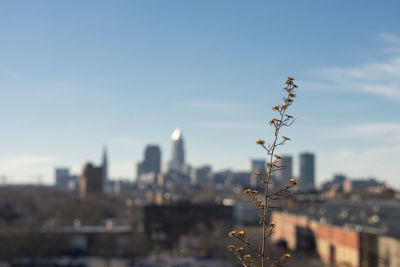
(178, 154)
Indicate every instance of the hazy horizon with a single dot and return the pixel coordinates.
(79, 75)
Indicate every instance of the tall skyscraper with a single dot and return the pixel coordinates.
(91, 181)
(307, 171)
(177, 162)
(105, 166)
(151, 162)
(256, 165)
(285, 173)
(286, 170)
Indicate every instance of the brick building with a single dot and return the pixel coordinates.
(334, 245)
(91, 182)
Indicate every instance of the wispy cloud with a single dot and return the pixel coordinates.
(374, 130)
(391, 41)
(389, 38)
(378, 161)
(15, 75)
(376, 152)
(381, 78)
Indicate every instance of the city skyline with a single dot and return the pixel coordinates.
(127, 74)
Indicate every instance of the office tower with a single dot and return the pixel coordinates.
(285, 173)
(62, 178)
(105, 166)
(149, 168)
(177, 162)
(152, 159)
(255, 166)
(91, 181)
(307, 171)
(285, 170)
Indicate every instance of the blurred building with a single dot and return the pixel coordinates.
(361, 185)
(307, 171)
(336, 246)
(221, 177)
(337, 181)
(105, 166)
(256, 166)
(201, 175)
(149, 168)
(239, 179)
(342, 233)
(62, 178)
(91, 182)
(389, 251)
(177, 162)
(285, 171)
(164, 224)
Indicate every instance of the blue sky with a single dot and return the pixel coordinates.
(75, 75)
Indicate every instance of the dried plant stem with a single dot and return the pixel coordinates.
(267, 188)
(268, 227)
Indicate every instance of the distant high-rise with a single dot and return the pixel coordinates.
(256, 166)
(151, 162)
(178, 155)
(285, 172)
(62, 178)
(105, 166)
(307, 171)
(91, 181)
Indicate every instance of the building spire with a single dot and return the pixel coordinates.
(105, 165)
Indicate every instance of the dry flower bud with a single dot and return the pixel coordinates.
(232, 233)
(247, 256)
(241, 233)
(274, 108)
(260, 142)
(285, 138)
(277, 156)
(293, 182)
(270, 165)
(272, 121)
(254, 192)
(247, 191)
(231, 247)
(272, 224)
(288, 100)
(286, 256)
(292, 95)
(285, 106)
